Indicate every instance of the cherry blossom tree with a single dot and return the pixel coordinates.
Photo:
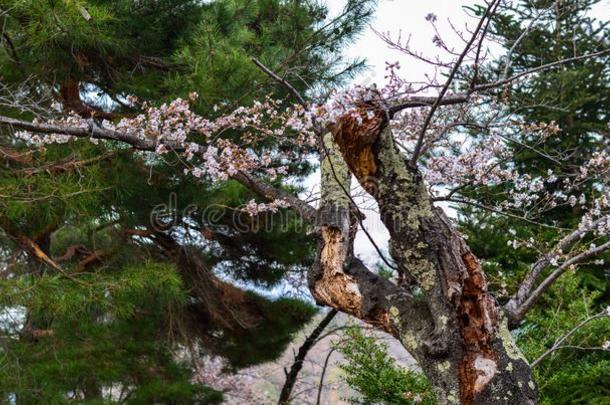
(413, 148)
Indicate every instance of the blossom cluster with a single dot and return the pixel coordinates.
(469, 144)
(214, 148)
(174, 128)
(253, 208)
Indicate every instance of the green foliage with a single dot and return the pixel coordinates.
(569, 375)
(162, 49)
(231, 32)
(79, 298)
(579, 383)
(576, 98)
(384, 271)
(100, 330)
(577, 93)
(371, 371)
(36, 194)
(115, 45)
(253, 346)
(125, 297)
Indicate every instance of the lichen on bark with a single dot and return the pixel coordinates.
(460, 346)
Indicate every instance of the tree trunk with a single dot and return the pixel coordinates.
(440, 310)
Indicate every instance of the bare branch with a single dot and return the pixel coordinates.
(32, 248)
(491, 209)
(271, 193)
(456, 66)
(427, 101)
(311, 340)
(527, 284)
(263, 189)
(282, 81)
(551, 278)
(547, 66)
(557, 345)
(323, 374)
(477, 58)
(522, 37)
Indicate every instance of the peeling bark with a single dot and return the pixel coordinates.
(356, 144)
(477, 319)
(465, 349)
(441, 311)
(341, 281)
(329, 282)
(334, 286)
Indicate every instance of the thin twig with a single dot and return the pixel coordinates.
(540, 68)
(558, 342)
(456, 66)
(547, 282)
(324, 368)
(291, 377)
(281, 80)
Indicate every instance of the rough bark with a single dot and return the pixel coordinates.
(338, 279)
(465, 350)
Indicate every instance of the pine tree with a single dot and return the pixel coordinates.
(104, 297)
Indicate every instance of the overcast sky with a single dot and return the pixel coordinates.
(405, 17)
(408, 18)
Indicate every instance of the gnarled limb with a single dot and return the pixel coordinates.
(337, 279)
(468, 354)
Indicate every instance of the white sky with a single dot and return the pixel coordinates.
(407, 17)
